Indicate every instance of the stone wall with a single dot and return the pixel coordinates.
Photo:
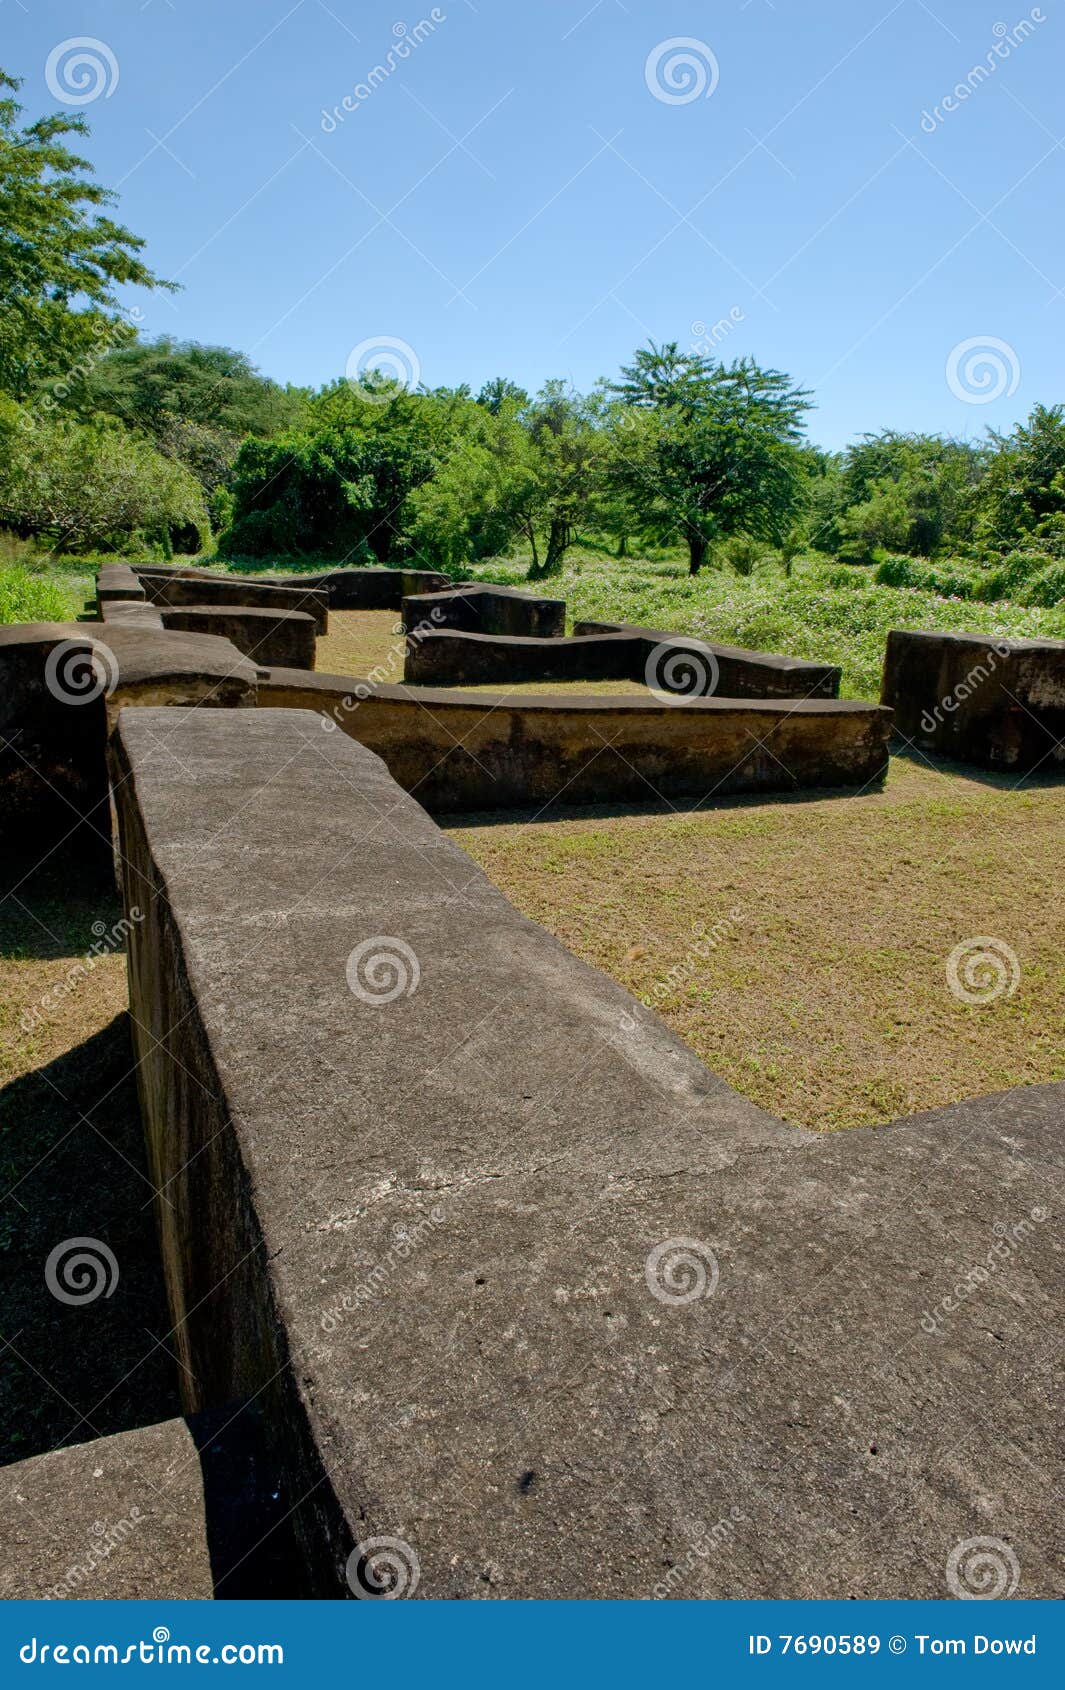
(266, 636)
(524, 1288)
(997, 703)
(487, 610)
(487, 751)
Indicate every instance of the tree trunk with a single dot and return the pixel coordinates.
(697, 547)
(623, 546)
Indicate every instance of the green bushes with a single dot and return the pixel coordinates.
(26, 597)
(95, 485)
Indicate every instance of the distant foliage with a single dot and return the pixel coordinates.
(88, 485)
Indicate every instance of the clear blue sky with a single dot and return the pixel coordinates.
(513, 198)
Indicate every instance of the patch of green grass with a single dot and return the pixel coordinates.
(26, 596)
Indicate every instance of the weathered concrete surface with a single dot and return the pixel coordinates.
(60, 682)
(490, 751)
(117, 581)
(438, 1271)
(267, 636)
(131, 613)
(52, 729)
(995, 703)
(448, 657)
(117, 1518)
(367, 589)
(477, 609)
(206, 589)
(739, 673)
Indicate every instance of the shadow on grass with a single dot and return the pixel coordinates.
(72, 1167)
(1003, 780)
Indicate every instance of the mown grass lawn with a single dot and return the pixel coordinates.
(800, 945)
(824, 994)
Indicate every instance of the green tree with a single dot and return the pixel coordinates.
(61, 256)
(708, 451)
(1022, 498)
(95, 485)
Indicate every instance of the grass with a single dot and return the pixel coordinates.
(836, 613)
(824, 996)
(821, 992)
(29, 597)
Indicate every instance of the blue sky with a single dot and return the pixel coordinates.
(514, 195)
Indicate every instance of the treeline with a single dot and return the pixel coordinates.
(111, 443)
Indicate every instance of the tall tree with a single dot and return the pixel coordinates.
(61, 256)
(710, 450)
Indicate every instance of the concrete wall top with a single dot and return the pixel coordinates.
(549, 1302)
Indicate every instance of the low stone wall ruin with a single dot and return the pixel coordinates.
(997, 703)
(550, 1304)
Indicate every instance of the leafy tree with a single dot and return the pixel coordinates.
(909, 493)
(96, 485)
(154, 384)
(57, 247)
(569, 458)
(710, 451)
(341, 486)
(500, 392)
(1023, 495)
